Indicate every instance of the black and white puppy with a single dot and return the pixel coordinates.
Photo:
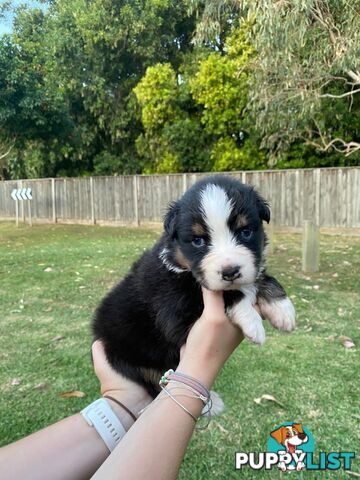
(213, 237)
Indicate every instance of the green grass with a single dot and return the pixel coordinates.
(309, 371)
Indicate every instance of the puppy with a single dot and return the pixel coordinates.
(213, 237)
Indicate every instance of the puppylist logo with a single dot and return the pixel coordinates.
(290, 447)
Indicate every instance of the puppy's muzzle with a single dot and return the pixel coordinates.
(231, 273)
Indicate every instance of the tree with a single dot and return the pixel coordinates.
(307, 65)
(112, 43)
(86, 57)
(221, 86)
(196, 119)
(173, 139)
(30, 109)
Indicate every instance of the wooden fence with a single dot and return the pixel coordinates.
(330, 197)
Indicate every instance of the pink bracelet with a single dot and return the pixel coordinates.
(186, 380)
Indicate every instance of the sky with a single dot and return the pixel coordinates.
(6, 24)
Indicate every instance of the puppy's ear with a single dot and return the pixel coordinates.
(170, 219)
(263, 208)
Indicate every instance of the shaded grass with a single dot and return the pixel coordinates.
(309, 371)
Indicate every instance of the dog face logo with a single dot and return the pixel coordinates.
(215, 231)
(292, 441)
(290, 436)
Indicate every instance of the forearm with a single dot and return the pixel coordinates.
(156, 444)
(69, 449)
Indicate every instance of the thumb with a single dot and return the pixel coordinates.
(213, 302)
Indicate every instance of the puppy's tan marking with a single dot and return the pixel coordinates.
(198, 229)
(241, 221)
(181, 260)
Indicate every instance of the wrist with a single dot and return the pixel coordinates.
(201, 371)
(132, 400)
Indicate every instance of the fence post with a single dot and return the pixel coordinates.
(135, 196)
(317, 174)
(92, 206)
(310, 247)
(53, 200)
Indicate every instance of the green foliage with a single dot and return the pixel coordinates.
(118, 86)
(221, 86)
(173, 139)
(156, 94)
(88, 56)
(227, 155)
(304, 50)
(197, 119)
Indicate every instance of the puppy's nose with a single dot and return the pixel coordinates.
(231, 273)
(302, 436)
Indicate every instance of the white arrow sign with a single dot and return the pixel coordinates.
(21, 194)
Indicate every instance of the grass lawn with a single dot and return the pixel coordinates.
(52, 278)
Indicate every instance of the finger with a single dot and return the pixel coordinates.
(98, 349)
(213, 302)
(99, 356)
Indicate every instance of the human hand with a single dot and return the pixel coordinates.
(211, 340)
(112, 383)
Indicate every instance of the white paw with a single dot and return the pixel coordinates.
(280, 313)
(254, 331)
(217, 405)
(246, 317)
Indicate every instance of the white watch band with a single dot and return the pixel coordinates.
(100, 415)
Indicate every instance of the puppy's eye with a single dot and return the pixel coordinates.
(246, 233)
(198, 242)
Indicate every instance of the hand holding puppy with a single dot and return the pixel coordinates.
(211, 340)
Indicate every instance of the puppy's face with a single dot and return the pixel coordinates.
(216, 232)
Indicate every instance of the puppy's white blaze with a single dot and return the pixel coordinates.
(224, 251)
(217, 405)
(244, 315)
(280, 313)
(216, 207)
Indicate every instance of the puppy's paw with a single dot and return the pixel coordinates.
(255, 332)
(217, 405)
(249, 321)
(280, 313)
